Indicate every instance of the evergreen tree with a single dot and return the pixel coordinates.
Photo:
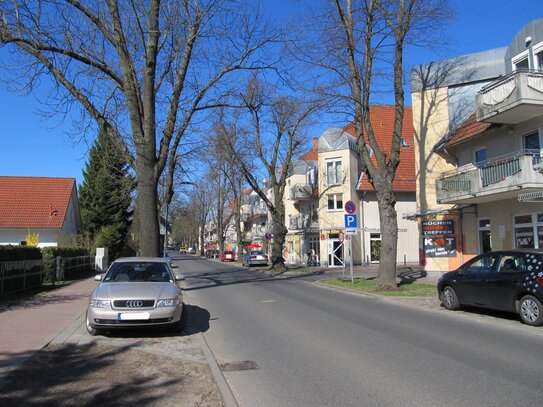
(105, 196)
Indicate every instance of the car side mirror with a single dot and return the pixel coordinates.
(98, 277)
(179, 277)
(174, 266)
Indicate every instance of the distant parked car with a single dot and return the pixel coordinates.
(212, 254)
(183, 250)
(255, 258)
(506, 280)
(191, 250)
(137, 292)
(228, 255)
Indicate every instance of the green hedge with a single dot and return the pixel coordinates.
(12, 253)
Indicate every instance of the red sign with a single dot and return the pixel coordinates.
(350, 207)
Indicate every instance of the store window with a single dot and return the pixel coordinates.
(335, 202)
(529, 231)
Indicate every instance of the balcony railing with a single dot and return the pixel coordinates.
(504, 174)
(305, 221)
(303, 192)
(515, 98)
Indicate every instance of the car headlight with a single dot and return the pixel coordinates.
(100, 303)
(170, 302)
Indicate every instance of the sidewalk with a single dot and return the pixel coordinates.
(32, 324)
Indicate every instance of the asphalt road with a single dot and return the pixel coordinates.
(316, 346)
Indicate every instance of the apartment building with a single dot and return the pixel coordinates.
(478, 122)
(329, 176)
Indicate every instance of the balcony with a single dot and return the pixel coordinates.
(302, 192)
(309, 222)
(513, 99)
(500, 178)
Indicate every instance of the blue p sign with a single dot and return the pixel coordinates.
(350, 221)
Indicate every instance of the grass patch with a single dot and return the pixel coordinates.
(404, 290)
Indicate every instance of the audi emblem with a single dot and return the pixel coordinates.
(134, 304)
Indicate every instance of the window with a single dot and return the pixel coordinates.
(538, 56)
(334, 172)
(532, 141)
(511, 264)
(528, 231)
(483, 264)
(485, 236)
(539, 60)
(310, 177)
(521, 61)
(479, 155)
(335, 202)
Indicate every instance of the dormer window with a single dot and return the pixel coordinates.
(522, 62)
(538, 57)
(310, 177)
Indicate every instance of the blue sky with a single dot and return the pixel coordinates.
(32, 145)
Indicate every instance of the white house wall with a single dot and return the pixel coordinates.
(408, 233)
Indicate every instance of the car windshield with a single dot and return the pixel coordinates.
(139, 272)
(257, 253)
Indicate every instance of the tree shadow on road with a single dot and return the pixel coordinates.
(234, 276)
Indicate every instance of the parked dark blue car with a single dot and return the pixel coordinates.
(505, 280)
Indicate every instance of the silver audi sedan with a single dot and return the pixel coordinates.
(137, 292)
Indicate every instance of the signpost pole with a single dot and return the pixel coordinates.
(351, 257)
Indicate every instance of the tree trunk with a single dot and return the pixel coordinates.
(279, 234)
(389, 236)
(146, 202)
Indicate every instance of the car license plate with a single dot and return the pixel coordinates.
(133, 315)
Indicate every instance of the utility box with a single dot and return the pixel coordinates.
(101, 260)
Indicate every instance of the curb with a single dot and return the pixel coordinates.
(403, 299)
(216, 372)
(220, 380)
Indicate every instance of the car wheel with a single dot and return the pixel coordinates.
(531, 310)
(92, 331)
(449, 298)
(182, 323)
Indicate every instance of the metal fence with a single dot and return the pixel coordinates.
(72, 268)
(20, 275)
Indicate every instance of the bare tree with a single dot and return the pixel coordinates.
(277, 125)
(229, 132)
(362, 45)
(140, 70)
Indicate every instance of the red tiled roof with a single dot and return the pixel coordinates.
(382, 119)
(313, 154)
(34, 202)
(467, 130)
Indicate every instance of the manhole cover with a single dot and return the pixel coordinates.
(238, 366)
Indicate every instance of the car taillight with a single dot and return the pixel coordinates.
(539, 280)
(253, 257)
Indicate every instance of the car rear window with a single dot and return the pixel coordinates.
(138, 272)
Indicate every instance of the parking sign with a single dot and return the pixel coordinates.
(350, 221)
